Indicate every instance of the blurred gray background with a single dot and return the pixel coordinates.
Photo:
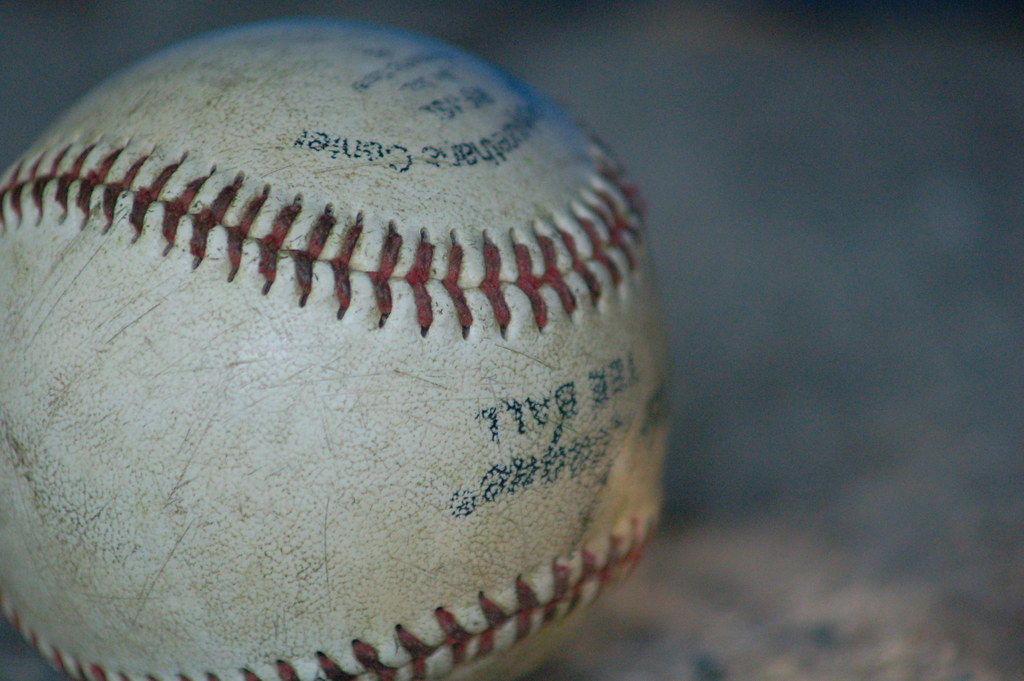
(836, 214)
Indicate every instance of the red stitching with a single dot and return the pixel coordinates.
(332, 671)
(564, 599)
(491, 286)
(270, 245)
(286, 671)
(417, 278)
(32, 179)
(39, 185)
(93, 179)
(579, 268)
(304, 259)
(552, 277)
(340, 265)
(562, 575)
(415, 647)
(238, 233)
(144, 196)
(527, 604)
(451, 285)
(175, 209)
(205, 220)
(13, 189)
(494, 615)
(620, 228)
(113, 190)
(380, 279)
(599, 255)
(530, 285)
(455, 637)
(612, 202)
(55, 658)
(366, 655)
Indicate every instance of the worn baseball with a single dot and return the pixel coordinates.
(328, 352)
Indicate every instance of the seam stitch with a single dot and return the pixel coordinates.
(530, 615)
(610, 201)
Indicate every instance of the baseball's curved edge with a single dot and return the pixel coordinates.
(578, 580)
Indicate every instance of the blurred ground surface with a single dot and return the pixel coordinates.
(837, 216)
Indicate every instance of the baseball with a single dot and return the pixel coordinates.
(328, 352)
